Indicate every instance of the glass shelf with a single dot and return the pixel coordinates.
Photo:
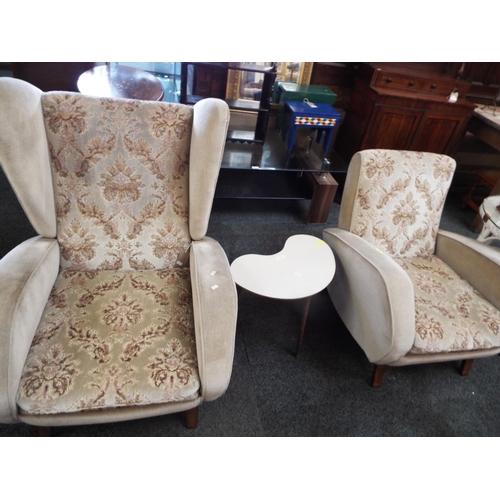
(273, 155)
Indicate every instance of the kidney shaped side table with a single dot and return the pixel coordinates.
(304, 267)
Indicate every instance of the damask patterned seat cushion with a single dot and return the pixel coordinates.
(120, 175)
(109, 339)
(449, 314)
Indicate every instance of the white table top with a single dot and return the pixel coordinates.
(304, 267)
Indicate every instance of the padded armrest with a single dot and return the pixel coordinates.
(476, 262)
(27, 275)
(373, 295)
(215, 304)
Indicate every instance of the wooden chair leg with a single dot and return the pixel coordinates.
(192, 418)
(466, 366)
(378, 375)
(44, 431)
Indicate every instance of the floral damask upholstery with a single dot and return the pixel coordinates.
(408, 291)
(109, 339)
(120, 180)
(400, 199)
(122, 308)
(450, 315)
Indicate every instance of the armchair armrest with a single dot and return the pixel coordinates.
(373, 295)
(475, 262)
(27, 274)
(215, 304)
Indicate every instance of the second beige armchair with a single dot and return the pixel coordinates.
(407, 291)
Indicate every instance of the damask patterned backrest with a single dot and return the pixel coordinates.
(395, 199)
(120, 175)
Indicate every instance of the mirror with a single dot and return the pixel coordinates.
(248, 85)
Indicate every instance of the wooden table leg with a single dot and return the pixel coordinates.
(324, 190)
(302, 326)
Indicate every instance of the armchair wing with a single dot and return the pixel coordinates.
(24, 153)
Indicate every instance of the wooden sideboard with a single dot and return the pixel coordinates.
(404, 107)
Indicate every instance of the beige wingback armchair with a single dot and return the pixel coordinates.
(122, 307)
(407, 291)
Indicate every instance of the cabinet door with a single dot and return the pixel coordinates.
(209, 82)
(391, 128)
(439, 133)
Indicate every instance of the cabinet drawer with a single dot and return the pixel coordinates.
(400, 82)
(435, 87)
(438, 88)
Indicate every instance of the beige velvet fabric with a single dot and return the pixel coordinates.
(407, 291)
(106, 416)
(210, 123)
(27, 274)
(475, 262)
(373, 296)
(126, 326)
(215, 304)
(24, 153)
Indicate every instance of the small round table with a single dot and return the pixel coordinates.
(490, 214)
(120, 81)
(304, 267)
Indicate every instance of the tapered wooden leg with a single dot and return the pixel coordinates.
(302, 326)
(378, 375)
(44, 431)
(466, 366)
(192, 418)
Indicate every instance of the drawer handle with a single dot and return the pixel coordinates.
(389, 80)
(433, 86)
(411, 84)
